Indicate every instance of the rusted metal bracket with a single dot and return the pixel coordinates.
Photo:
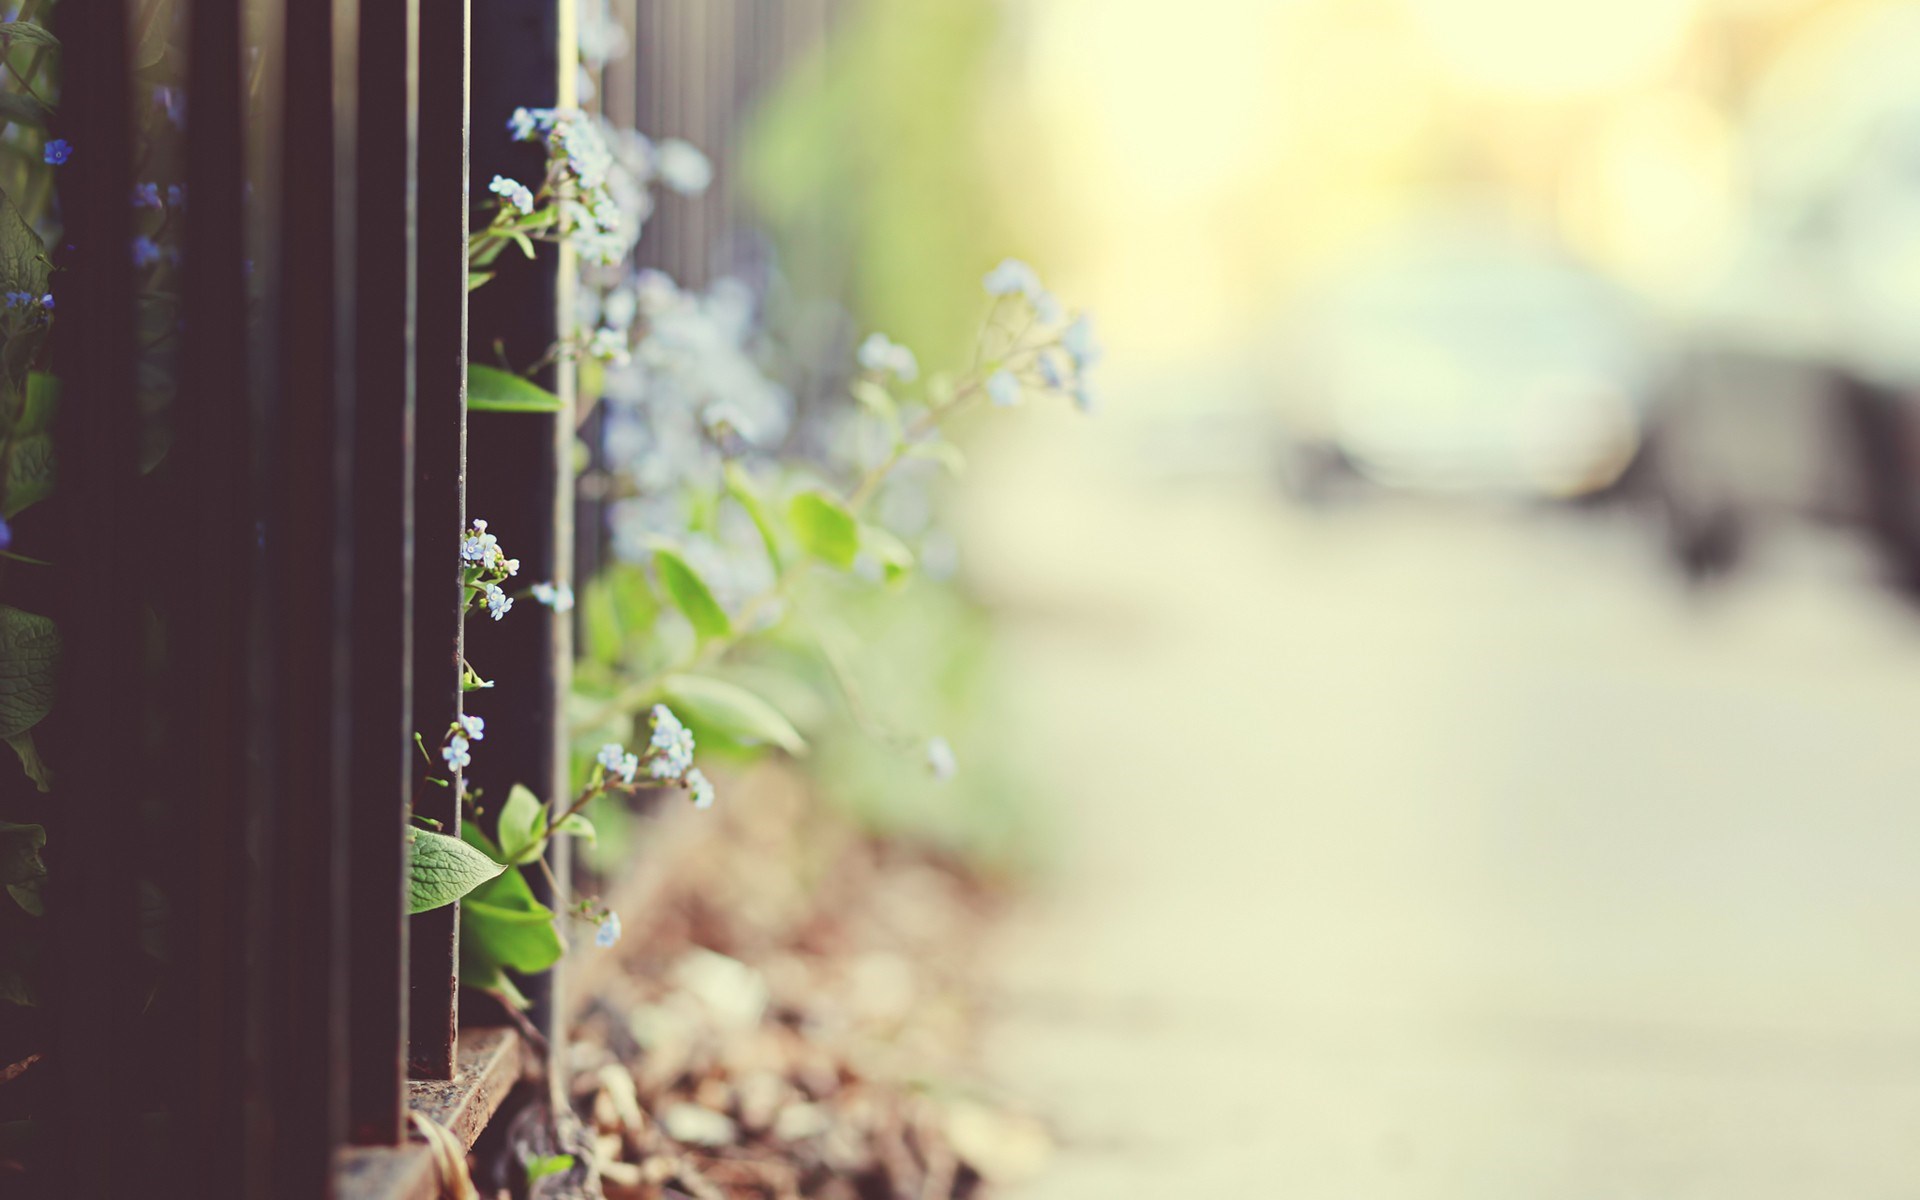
(489, 1063)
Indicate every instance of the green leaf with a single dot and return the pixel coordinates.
(29, 661)
(30, 760)
(21, 870)
(551, 1164)
(741, 488)
(489, 389)
(523, 826)
(876, 400)
(23, 256)
(441, 869)
(43, 401)
(24, 110)
(895, 558)
(577, 825)
(691, 595)
(29, 473)
(153, 25)
(825, 528)
(25, 33)
(733, 710)
(476, 278)
(503, 923)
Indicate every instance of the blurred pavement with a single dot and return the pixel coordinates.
(1437, 851)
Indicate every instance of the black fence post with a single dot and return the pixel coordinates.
(433, 1009)
(381, 765)
(519, 464)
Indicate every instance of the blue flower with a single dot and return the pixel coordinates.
(700, 788)
(515, 192)
(6, 535)
(1003, 388)
(480, 546)
(57, 151)
(1079, 343)
(473, 727)
(146, 195)
(176, 195)
(146, 251)
(682, 167)
(173, 102)
(609, 931)
(524, 124)
(498, 602)
(670, 754)
(1050, 372)
(46, 302)
(940, 759)
(1013, 277)
(615, 760)
(883, 354)
(455, 752)
(556, 596)
(609, 346)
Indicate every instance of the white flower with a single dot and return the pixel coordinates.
(940, 759)
(1013, 277)
(1003, 388)
(670, 755)
(523, 124)
(556, 596)
(1078, 341)
(513, 191)
(498, 602)
(455, 752)
(609, 346)
(681, 167)
(881, 353)
(610, 755)
(700, 788)
(478, 545)
(609, 931)
(629, 767)
(474, 727)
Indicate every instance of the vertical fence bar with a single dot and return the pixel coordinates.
(207, 614)
(90, 901)
(439, 499)
(380, 763)
(518, 463)
(310, 574)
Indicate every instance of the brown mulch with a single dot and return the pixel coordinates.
(794, 1020)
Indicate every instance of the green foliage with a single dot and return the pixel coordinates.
(748, 497)
(552, 1164)
(29, 662)
(442, 869)
(489, 389)
(502, 923)
(523, 827)
(731, 710)
(691, 595)
(30, 760)
(21, 870)
(23, 256)
(25, 33)
(824, 528)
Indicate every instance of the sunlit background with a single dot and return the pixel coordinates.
(1470, 660)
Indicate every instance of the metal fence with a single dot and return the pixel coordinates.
(256, 623)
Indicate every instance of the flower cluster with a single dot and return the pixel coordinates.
(1058, 360)
(485, 567)
(28, 300)
(881, 355)
(456, 748)
(668, 758)
(556, 596)
(57, 151)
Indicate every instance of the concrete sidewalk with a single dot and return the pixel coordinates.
(1429, 852)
